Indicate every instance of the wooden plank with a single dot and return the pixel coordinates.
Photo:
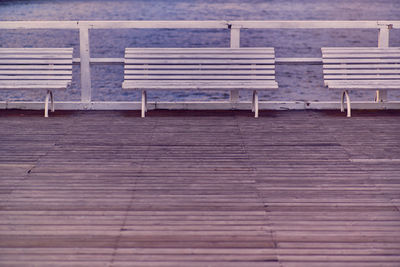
(310, 24)
(199, 76)
(362, 71)
(36, 61)
(163, 24)
(203, 67)
(361, 60)
(35, 72)
(190, 85)
(366, 82)
(36, 56)
(361, 55)
(393, 77)
(196, 188)
(35, 67)
(360, 66)
(34, 85)
(339, 24)
(235, 50)
(361, 86)
(185, 55)
(67, 50)
(359, 49)
(201, 71)
(35, 77)
(201, 61)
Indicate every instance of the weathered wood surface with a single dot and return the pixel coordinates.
(186, 188)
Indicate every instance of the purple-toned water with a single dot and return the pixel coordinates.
(296, 82)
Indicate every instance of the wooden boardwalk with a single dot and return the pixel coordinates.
(292, 188)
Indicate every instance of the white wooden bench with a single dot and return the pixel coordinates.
(200, 69)
(36, 69)
(360, 68)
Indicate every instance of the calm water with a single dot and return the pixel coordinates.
(296, 82)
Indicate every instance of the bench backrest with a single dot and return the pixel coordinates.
(199, 64)
(35, 66)
(354, 64)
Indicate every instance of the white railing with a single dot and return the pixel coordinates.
(235, 27)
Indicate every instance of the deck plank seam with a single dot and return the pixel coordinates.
(253, 169)
(131, 200)
(32, 166)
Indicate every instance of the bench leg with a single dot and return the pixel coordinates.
(252, 103)
(144, 101)
(52, 101)
(381, 96)
(346, 93)
(255, 96)
(46, 104)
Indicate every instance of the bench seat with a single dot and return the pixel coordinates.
(368, 84)
(360, 68)
(200, 69)
(201, 85)
(46, 69)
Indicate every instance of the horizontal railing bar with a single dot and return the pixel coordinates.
(310, 24)
(167, 24)
(39, 25)
(203, 105)
(283, 60)
(200, 24)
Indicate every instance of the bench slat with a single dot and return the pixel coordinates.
(373, 85)
(362, 77)
(199, 77)
(2, 82)
(358, 49)
(361, 66)
(361, 60)
(35, 56)
(197, 67)
(199, 56)
(212, 85)
(201, 50)
(37, 77)
(35, 50)
(208, 61)
(34, 85)
(38, 72)
(363, 55)
(363, 71)
(35, 61)
(197, 71)
(36, 67)
(204, 82)
(376, 81)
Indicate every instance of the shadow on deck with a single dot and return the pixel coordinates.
(200, 188)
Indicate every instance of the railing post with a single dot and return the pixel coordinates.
(235, 43)
(383, 41)
(86, 84)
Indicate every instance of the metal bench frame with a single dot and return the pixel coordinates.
(36, 69)
(360, 68)
(200, 69)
